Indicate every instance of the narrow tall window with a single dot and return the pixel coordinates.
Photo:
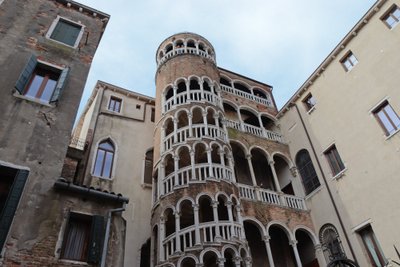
(307, 171)
(153, 115)
(392, 18)
(349, 61)
(148, 167)
(387, 118)
(334, 160)
(104, 159)
(372, 246)
(309, 102)
(115, 104)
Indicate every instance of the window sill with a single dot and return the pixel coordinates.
(103, 177)
(311, 110)
(73, 262)
(34, 100)
(340, 174)
(313, 193)
(394, 133)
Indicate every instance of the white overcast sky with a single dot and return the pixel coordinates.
(276, 42)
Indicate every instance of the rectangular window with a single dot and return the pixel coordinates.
(83, 238)
(392, 17)
(309, 102)
(349, 61)
(65, 31)
(41, 81)
(115, 104)
(153, 115)
(334, 160)
(387, 118)
(372, 246)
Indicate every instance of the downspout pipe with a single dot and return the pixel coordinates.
(327, 185)
(107, 234)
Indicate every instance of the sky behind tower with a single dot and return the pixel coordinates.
(276, 42)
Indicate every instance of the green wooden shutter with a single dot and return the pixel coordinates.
(96, 239)
(11, 205)
(26, 74)
(60, 85)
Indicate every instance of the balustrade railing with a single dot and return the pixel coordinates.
(260, 100)
(271, 197)
(195, 174)
(207, 234)
(197, 131)
(191, 96)
(184, 50)
(254, 130)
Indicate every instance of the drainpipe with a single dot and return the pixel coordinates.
(327, 186)
(107, 235)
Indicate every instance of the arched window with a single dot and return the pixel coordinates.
(148, 167)
(307, 171)
(104, 159)
(331, 244)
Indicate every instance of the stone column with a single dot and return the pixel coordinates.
(205, 123)
(320, 255)
(210, 163)
(176, 168)
(228, 205)
(231, 165)
(216, 220)
(276, 181)
(175, 120)
(248, 262)
(175, 89)
(190, 118)
(161, 180)
(187, 91)
(221, 262)
(293, 243)
(162, 139)
(225, 130)
(177, 235)
(252, 175)
(192, 164)
(269, 252)
(196, 224)
(161, 239)
(240, 221)
(237, 261)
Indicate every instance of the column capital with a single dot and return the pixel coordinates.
(293, 243)
(293, 170)
(266, 238)
(190, 115)
(221, 260)
(196, 206)
(318, 247)
(214, 204)
(237, 259)
(175, 120)
(176, 158)
(229, 204)
(177, 214)
(162, 219)
(204, 113)
(248, 156)
(271, 162)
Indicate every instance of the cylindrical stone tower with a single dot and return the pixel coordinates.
(196, 219)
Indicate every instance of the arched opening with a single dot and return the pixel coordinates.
(200, 153)
(183, 119)
(104, 159)
(145, 254)
(210, 259)
(201, 47)
(188, 262)
(259, 93)
(210, 117)
(233, 207)
(197, 116)
(230, 112)
(205, 209)
(243, 255)
(179, 44)
(241, 87)
(307, 172)
(215, 157)
(222, 208)
(261, 168)
(267, 123)
(181, 87)
(306, 249)
(206, 86)
(148, 167)
(169, 222)
(191, 44)
(168, 48)
(187, 214)
(169, 92)
(160, 55)
(282, 252)
(256, 244)
(249, 117)
(242, 170)
(155, 186)
(169, 126)
(229, 256)
(194, 84)
(169, 165)
(224, 81)
(184, 157)
(284, 175)
(154, 245)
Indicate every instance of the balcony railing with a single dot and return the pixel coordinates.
(271, 197)
(197, 131)
(182, 51)
(254, 130)
(191, 96)
(207, 234)
(195, 174)
(257, 99)
(77, 143)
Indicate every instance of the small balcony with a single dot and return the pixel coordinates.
(254, 130)
(192, 96)
(247, 95)
(270, 197)
(177, 51)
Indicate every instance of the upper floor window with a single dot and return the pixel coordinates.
(387, 118)
(372, 246)
(307, 171)
(392, 17)
(65, 31)
(331, 244)
(41, 81)
(104, 159)
(309, 101)
(334, 160)
(349, 61)
(114, 104)
(148, 167)
(152, 115)
(83, 238)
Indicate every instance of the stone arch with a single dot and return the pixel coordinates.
(179, 43)
(257, 223)
(206, 213)
(185, 257)
(197, 115)
(283, 226)
(306, 229)
(284, 157)
(180, 83)
(204, 251)
(306, 243)
(225, 80)
(216, 149)
(168, 47)
(183, 154)
(242, 86)
(200, 152)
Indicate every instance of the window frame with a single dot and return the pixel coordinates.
(54, 25)
(381, 107)
(389, 13)
(309, 105)
(114, 99)
(348, 58)
(108, 140)
(367, 230)
(336, 163)
(307, 179)
(146, 161)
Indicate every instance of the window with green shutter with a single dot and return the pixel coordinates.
(65, 31)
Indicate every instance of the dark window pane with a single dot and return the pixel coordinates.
(76, 238)
(66, 32)
(106, 146)
(99, 163)
(108, 164)
(48, 90)
(33, 88)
